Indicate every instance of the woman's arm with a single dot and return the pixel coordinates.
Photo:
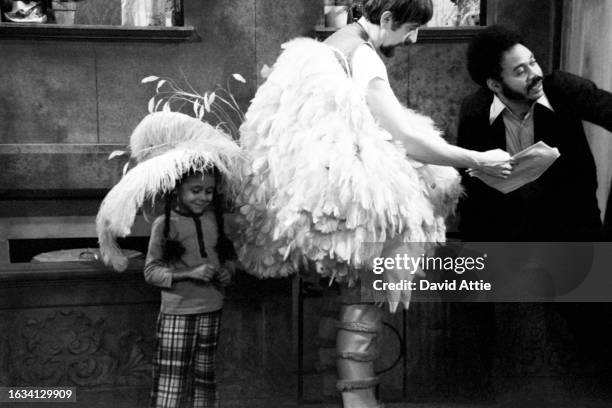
(390, 115)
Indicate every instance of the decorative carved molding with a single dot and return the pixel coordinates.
(69, 348)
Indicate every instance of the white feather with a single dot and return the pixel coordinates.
(327, 177)
(167, 145)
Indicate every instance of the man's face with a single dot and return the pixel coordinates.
(521, 76)
(405, 34)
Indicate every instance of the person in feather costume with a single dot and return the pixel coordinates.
(337, 162)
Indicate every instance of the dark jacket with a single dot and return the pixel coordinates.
(561, 205)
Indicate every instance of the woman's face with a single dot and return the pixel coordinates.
(195, 193)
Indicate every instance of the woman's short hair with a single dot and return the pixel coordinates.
(404, 11)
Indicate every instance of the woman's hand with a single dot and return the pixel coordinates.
(495, 163)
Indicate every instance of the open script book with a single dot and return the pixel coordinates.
(530, 164)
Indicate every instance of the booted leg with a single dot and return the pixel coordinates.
(356, 347)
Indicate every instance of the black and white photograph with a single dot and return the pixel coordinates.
(306, 203)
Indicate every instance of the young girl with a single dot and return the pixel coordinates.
(188, 162)
(190, 258)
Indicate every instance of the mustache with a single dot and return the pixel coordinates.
(535, 82)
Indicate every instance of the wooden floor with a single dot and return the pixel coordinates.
(533, 404)
(292, 404)
(511, 404)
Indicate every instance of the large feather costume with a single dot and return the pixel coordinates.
(325, 178)
(166, 145)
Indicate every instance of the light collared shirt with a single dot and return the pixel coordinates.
(519, 131)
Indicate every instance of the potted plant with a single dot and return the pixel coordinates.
(64, 11)
(336, 13)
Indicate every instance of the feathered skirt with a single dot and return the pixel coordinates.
(326, 183)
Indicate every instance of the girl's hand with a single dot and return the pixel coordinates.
(204, 272)
(496, 163)
(224, 275)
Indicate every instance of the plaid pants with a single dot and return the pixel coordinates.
(183, 367)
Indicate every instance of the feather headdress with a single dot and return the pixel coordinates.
(166, 145)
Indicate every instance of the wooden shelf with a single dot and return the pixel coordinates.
(426, 35)
(54, 194)
(95, 33)
(42, 273)
(450, 34)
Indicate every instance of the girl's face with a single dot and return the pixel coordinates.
(195, 193)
